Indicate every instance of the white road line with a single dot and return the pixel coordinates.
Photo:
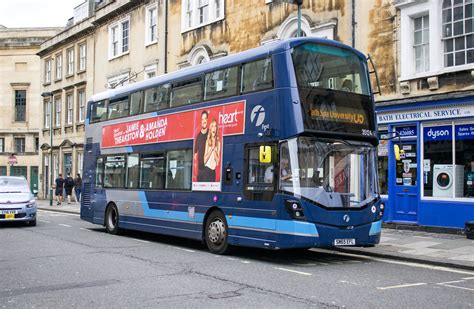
(66, 225)
(144, 241)
(246, 262)
(456, 287)
(53, 213)
(401, 286)
(410, 264)
(81, 228)
(182, 249)
(44, 221)
(468, 278)
(232, 259)
(449, 282)
(294, 271)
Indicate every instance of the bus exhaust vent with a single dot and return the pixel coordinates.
(86, 195)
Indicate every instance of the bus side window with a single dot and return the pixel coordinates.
(186, 92)
(157, 98)
(98, 111)
(257, 76)
(221, 83)
(136, 100)
(118, 108)
(99, 172)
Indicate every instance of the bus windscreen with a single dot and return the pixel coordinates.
(333, 88)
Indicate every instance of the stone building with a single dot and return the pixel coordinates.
(20, 101)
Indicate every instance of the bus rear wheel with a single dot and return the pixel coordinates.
(112, 220)
(216, 233)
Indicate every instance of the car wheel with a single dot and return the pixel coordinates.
(216, 233)
(32, 222)
(112, 220)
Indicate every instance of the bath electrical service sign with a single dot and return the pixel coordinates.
(426, 114)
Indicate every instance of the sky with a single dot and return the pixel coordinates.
(36, 13)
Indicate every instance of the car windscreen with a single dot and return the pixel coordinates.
(13, 185)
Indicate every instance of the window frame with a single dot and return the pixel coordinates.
(2, 144)
(82, 57)
(59, 67)
(70, 62)
(20, 102)
(47, 113)
(151, 29)
(116, 38)
(81, 108)
(22, 140)
(47, 70)
(57, 111)
(190, 14)
(69, 117)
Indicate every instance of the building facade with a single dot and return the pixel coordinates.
(432, 113)
(20, 101)
(67, 68)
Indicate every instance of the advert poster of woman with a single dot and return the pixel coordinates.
(207, 151)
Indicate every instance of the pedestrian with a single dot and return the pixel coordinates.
(68, 185)
(59, 189)
(77, 187)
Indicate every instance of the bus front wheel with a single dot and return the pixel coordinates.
(112, 219)
(216, 233)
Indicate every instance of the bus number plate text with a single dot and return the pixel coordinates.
(345, 242)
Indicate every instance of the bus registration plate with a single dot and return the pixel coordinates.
(345, 242)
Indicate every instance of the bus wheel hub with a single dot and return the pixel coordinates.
(216, 231)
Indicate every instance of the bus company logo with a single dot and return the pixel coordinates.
(434, 134)
(346, 218)
(257, 115)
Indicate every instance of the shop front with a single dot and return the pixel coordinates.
(433, 182)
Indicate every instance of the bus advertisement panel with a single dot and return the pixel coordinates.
(206, 127)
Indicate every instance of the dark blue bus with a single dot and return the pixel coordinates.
(274, 147)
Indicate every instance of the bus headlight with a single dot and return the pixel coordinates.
(294, 209)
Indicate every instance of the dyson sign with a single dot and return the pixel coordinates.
(442, 133)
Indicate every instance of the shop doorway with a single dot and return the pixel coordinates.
(406, 183)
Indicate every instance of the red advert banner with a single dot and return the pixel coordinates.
(173, 127)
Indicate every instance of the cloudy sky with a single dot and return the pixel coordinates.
(36, 13)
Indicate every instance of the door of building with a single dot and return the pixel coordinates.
(406, 184)
(19, 171)
(34, 179)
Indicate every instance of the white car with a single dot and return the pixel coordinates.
(17, 203)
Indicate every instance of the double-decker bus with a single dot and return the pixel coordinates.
(274, 147)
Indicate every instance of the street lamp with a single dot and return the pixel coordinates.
(299, 3)
(50, 95)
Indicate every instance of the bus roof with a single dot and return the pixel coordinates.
(245, 56)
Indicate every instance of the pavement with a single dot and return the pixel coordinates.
(440, 249)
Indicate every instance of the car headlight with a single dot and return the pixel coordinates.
(31, 204)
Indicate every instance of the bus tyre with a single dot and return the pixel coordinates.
(112, 219)
(216, 233)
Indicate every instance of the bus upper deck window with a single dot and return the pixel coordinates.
(98, 111)
(257, 76)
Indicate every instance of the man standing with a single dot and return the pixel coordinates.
(77, 187)
(68, 185)
(200, 147)
(59, 189)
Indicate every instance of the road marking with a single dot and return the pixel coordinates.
(44, 221)
(410, 264)
(182, 249)
(144, 241)
(294, 271)
(232, 259)
(401, 286)
(81, 228)
(457, 281)
(246, 262)
(54, 213)
(468, 278)
(66, 225)
(456, 287)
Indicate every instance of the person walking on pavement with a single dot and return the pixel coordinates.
(59, 189)
(77, 187)
(68, 185)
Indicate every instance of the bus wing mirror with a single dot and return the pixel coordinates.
(265, 154)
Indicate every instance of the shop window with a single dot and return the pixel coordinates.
(437, 161)
(464, 145)
(406, 170)
(382, 163)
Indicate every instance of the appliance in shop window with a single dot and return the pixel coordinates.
(444, 180)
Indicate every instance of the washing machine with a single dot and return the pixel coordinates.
(445, 180)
